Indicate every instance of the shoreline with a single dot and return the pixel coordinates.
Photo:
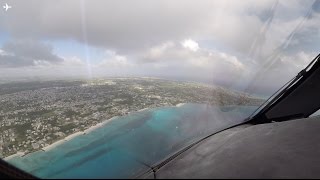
(73, 135)
(94, 127)
(142, 109)
(61, 141)
(180, 104)
(51, 146)
(14, 155)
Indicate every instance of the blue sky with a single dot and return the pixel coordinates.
(4, 36)
(69, 48)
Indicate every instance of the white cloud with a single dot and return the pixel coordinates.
(2, 52)
(297, 61)
(27, 52)
(177, 60)
(190, 44)
(227, 41)
(158, 51)
(73, 61)
(114, 60)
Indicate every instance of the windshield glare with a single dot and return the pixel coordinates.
(109, 89)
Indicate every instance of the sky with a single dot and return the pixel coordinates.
(248, 45)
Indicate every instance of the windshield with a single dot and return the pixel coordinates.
(111, 89)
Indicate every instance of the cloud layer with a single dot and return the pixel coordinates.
(254, 46)
(27, 53)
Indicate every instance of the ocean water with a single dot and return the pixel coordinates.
(128, 145)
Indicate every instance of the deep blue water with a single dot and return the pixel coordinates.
(127, 145)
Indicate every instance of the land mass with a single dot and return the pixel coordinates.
(39, 115)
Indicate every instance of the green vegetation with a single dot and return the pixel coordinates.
(35, 114)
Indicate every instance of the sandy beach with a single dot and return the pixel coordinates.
(92, 128)
(68, 138)
(51, 146)
(180, 104)
(14, 155)
(71, 136)
(109, 120)
(142, 109)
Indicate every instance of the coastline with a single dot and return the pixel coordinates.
(94, 127)
(180, 104)
(14, 155)
(71, 136)
(61, 141)
(142, 109)
(51, 146)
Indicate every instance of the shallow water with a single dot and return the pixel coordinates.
(129, 145)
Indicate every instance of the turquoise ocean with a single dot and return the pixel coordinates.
(128, 145)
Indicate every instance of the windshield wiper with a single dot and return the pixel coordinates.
(280, 101)
(288, 88)
(162, 163)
